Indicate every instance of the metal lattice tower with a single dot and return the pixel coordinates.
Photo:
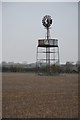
(50, 46)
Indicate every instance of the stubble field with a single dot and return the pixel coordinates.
(27, 95)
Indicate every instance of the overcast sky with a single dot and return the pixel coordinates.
(0, 32)
(79, 31)
(22, 27)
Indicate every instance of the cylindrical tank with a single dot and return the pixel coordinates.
(55, 42)
(51, 42)
(40, 42)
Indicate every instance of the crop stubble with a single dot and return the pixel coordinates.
(27, 95)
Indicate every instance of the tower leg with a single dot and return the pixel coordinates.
(47, 59)
(58, 55)
(37, 60)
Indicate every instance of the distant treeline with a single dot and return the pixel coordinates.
(52, 68)
(17, 69)
(59, 69)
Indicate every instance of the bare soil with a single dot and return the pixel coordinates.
(27, 95)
